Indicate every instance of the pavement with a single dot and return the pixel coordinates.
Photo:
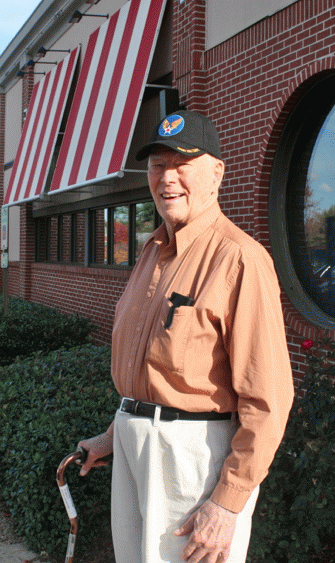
(17, 553)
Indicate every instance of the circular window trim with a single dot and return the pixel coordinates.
(278, 227)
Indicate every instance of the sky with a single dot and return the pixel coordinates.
(321, 173)
(13, 14)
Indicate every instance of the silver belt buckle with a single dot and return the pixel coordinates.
(122, 405)
(134, 405)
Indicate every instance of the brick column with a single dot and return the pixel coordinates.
(27, 232)
(27, 249)
(2, 144)
(189, 28)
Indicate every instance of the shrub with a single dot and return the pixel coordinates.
(295, 515)
(30, 327)
(47, 405)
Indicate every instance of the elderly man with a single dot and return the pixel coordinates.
(199, 356)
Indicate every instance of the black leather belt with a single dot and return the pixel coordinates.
(137, 408)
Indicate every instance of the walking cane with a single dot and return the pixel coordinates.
(80, 456)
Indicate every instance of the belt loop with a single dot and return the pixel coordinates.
(157, 416)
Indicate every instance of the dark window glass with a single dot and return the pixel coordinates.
(302, 204)
(92, 235)
(48, 239)
(60, 227)
(115, 235)
(145, 222)
(40, 240)
(74, 235)
(121, 231)
(43, 239)
(311, 217)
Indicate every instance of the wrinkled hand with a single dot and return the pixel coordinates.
(212, 528)
(97, 447)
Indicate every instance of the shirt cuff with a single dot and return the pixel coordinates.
(229, 497)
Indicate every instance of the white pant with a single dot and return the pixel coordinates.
(162, 472)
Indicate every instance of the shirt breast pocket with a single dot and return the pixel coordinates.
(167, 346)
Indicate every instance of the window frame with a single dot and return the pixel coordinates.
(43, 229)
(314, 100)
(110, 234)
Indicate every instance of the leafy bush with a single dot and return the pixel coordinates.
(295, 515)
(47, 405)
(29, 327)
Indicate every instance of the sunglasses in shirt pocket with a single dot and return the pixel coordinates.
(166, 347)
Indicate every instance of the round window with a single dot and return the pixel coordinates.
(302, 205)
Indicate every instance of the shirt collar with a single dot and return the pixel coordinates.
(188, 234)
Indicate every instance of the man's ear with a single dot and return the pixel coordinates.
(219, 169)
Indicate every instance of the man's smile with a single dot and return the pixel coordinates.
(171, 196)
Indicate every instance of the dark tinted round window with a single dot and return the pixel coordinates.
(302, 205)
(310, 209)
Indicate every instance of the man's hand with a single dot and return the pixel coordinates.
(212, 528)
(97, 447)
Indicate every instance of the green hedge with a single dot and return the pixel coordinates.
(46, 406)
(29, 327)
(295, 516)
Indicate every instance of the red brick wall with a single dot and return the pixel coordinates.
(2, 143)
(80, 246)
(67, 238)
(189, 36)
(27, 250)
(90, 292)
(100, 236)
(14, 279)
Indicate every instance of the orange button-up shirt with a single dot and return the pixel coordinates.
(227, 352)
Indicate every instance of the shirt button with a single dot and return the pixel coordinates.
(138, 329)
(129, 364)
(163, 263)
(149, 294)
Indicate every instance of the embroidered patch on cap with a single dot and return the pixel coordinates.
(171, 125)
(188, 151)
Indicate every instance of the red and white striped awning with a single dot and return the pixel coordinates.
(108, 95)
(39, 134)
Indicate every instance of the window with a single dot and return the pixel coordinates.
(43, 239)
(144, 224)
(114, 235)
(120, 248)
(302, 205)
(118, 233)
(60, 238)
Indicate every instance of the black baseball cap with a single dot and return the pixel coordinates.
(187, 132)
